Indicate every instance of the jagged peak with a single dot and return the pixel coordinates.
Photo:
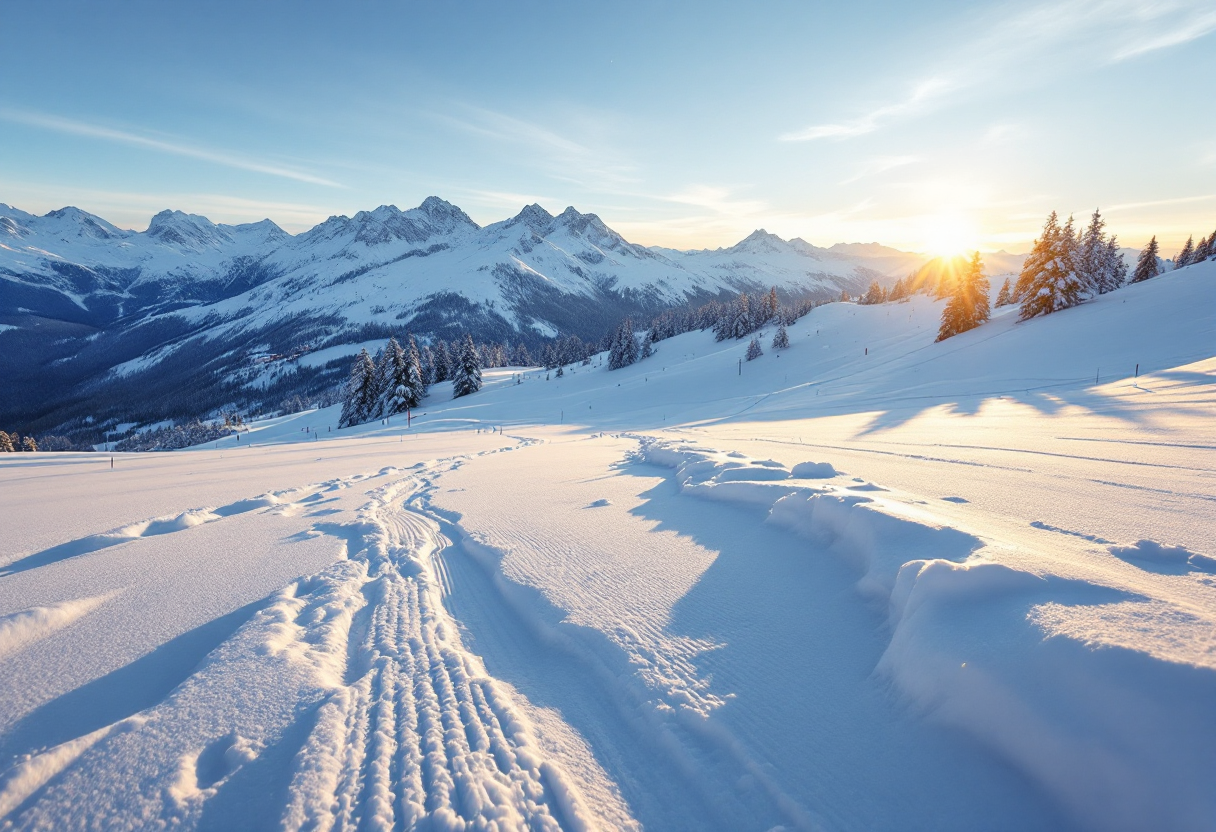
(534, 216)
(86, 223)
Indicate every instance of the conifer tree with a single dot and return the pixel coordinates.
(753, 350)
(968, 305)
(1003, 297)
(521, 358)
(771, 305)
(1147, 266)
(1114, 273)
(443, 361)
(647, 346)
(428, 365)
(781, 340)
(874, 295)
(6, 443)
(1049, 280)
(29, 445)
(392, 379)
(1205, 249)
(1184, 257)
(415, 383)
(844, 296)
(624, 349)
(467, 376)
(360, 393)
(742, 322)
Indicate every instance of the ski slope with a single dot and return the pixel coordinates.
(868, 582)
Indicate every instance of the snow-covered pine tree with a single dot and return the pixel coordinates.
(28, 444)
(1049, 280)
(844, 296)
(561, 371)
(968, 305)
(521, 357)
(443, 361)
(1091, 255)
(428, 365)
(874, 295)
(753, 350)
(415, 382)
(1003, 296)
(624, 347)
(1114, 268)
(1188, 251)
(742, 323)
(771, 305)
(392, 376)
(6, 443)
(781, 339)
(647, 346)
(1147, 266)
(466, 378)
(1204, 249)
(361, 393)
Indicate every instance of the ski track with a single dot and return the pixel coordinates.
(420, 734)
(412, 733)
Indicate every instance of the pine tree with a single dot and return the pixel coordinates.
(467, 377)
(771, 305)
(392, 379)
(1205, 249)
(521, 358)
(741, 323)
(874, 295)
(781, 340)
(417, 381)
(844, 296)
(360, 393)
(624, 349)
(968, 305)
(6, 443)
(1185, 256)
(647, 346)
(753, 350)
(1114, 271)
(29, 445)
(1147, 266)
(442, 362)
(1003, 296)
(1049, 280)
(561, 371)
(1092, 255)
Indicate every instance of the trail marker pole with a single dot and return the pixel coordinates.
(1137, 371)
(740, 366)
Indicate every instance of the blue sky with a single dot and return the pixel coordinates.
(927, 126)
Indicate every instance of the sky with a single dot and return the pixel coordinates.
(928, 126)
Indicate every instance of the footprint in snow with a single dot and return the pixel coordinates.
(600, 503)
(956, 499)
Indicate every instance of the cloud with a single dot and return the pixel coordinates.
(1127, 206)
(880, 164)
(1032, 46)
(591, 164)
(922, 94)
(80, 128)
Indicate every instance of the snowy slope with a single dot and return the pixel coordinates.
(936, 586)
(96, 311)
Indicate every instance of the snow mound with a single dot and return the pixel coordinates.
(813, 471)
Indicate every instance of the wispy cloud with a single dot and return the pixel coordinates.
(171, 146)
(879, 165)
(589, 162)
(1156, 203)
(1032, 45)
(921, 95)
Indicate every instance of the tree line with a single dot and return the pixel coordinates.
(400, 377)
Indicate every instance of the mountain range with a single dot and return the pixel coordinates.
(166, 322)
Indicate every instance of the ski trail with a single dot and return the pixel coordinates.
(422, 736)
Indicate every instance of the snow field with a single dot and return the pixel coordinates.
(989, 648)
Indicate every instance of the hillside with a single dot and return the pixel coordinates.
(110, 324)
(869, 582)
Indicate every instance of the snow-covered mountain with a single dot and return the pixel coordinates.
(93, 305)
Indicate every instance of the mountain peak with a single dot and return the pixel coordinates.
(535, 217)
(83, 223)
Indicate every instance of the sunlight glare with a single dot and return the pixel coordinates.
(948, 235)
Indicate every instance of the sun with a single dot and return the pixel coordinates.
(950, 235)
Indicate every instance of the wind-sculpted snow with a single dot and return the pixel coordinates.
(1025, 662)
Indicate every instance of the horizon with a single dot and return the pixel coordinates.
(682, 127)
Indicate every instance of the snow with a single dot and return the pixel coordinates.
(868, 582)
